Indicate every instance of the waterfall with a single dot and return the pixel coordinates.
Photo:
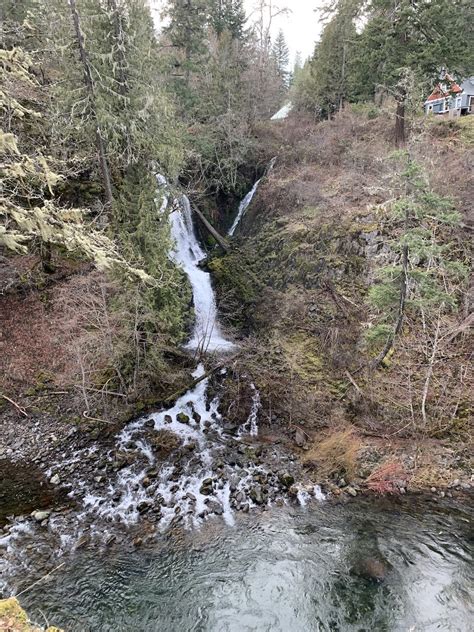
(187, 254)
(250, 427)
(245, 203)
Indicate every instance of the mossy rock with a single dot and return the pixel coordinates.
(14, 619)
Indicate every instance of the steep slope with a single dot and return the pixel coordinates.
(318, 236)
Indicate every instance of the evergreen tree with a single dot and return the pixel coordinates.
(425, 274)
(326, 84)
(297, 67)
(187, 34)
(228, 15)
(281, 55)
(404, 38)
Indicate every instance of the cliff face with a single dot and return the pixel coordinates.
(322, 227)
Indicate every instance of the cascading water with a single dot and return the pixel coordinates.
(177, 466)
(188, 254)
(245, 203)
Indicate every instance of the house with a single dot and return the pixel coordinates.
(451, 99)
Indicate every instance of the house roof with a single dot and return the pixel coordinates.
(468, 86)
(450, 87)
(442, 90)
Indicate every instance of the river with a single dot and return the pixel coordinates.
(378, 566)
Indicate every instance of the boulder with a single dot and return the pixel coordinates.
(40, 516)
(214, 507)
(256, 495)
(206, 487)
(182, 418)
(286, 479)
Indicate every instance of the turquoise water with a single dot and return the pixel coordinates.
(358, 567)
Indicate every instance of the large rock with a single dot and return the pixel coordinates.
(214, 507)
(286, 479)
(39, 516)
(207, 487)
(256, 495)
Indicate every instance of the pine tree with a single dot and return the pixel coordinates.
(228, 15)
(281, 55)
(187, 34)
(425, 274)
(327, 81)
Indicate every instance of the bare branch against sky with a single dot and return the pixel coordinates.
(300, 26)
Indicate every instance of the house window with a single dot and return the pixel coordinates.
(458, 102)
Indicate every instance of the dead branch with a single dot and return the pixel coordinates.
(17, 406)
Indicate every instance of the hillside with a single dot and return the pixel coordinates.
(319, 235)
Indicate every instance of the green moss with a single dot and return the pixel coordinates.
(237, 286)
(15, 619)
(302, 356)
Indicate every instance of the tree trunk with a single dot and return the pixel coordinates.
(210, 228)
(400, 132)
(104, 167)
(46, 258)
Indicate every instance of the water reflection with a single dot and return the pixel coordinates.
(357, 567)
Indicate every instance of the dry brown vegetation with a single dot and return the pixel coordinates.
(309, 247)
(78, 335)
(336, 455)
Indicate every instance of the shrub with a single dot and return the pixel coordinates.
(385, 478)
(336, 455)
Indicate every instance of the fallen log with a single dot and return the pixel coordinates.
(210, 228)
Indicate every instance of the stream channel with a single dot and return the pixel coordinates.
(215, 538)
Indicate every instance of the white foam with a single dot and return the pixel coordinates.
(250, 427)
(187, 254)
(244, 204)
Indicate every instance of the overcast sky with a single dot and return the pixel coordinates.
(301, 25)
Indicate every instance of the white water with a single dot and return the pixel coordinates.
(188, 254)
(250, 427)
(197, 424)
(245, 203)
